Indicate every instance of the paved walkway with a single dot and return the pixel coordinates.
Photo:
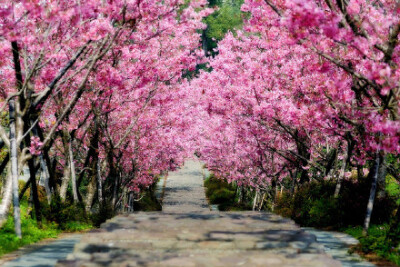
(184, 191)
(187, 233)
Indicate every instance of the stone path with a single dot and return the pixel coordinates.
(187, 233)
(184, 191)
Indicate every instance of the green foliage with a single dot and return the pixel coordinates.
(375, 242)
(148, 202)
(227, 18)
(31, 233)
(222, 195)
(58, 217)
(220, 192)
(75, 226)
(63, 213)
(213, 3)
(284, 205)
(313, 205)
(324, 211)
(393, 188)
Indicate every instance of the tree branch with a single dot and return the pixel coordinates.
(274, 8)
(46, 93)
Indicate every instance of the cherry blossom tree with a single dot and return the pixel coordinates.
(305, 83)
(69, 65)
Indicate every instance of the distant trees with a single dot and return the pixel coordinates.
(227, 17)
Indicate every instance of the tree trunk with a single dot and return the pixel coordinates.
(65, 181)
(32, 171)
(45, 178)
(113, 174)
(342, 171)
(255, 201)
(6, 201)
(67, 168)
(91, 190)
(47, 164)
(360, 173)
(262, 202)
(131, 202)
(3, 165)
(99, 182)
(115, 192)
(23, 190)
(204, 42)
(13, 141)
(371, 199)
(381, 186)
(331, 162)
(14, 169)
(294, 180)
(73, 173)
(34, 191)
(44, 172)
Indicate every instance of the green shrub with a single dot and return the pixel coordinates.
(220, 192)
(324, 212)
(393, 188)
(284, 205)
(375, 242)
(31, 233)
(103, 213)
(313, 205)
(148, 202)
(74, 226)
(222, 195)
(64, 212)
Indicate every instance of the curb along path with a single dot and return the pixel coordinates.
(187, 233)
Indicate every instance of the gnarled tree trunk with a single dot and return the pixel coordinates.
(6, 201)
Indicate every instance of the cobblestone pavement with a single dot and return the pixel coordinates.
(187, 233)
